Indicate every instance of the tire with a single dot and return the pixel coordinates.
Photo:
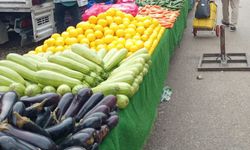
(194, 32)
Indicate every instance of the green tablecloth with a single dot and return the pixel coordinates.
(137, 119)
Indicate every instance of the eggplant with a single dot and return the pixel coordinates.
(102, 133)
(8, 100)
(79, 100)
(112, 121)
(28, 125)
(52, 99)
(93, 122)
(79, 139)
(100, 115)
(10, 143)
(113, 113)
(63, 105)
(62, 129)
(34, 109)
(20, 109)
(90, 131)
(109, 100)
(93, 100)
(37, 140)
(102, 108)
(42, 117)
(75, 148)
(95, 146)
(51, 121)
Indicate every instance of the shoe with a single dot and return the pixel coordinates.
(232, 28)
(225, 23)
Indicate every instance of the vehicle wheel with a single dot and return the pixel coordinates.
(194, 32)
(217, 30)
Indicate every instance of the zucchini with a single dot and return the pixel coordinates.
(132, 62)
(109, 55)
(122, 101)
(60, 69)
(127, 72)
(93, 66)
(115, 59)
(26, 62)
(4, 81)
(140, 51)
(106, 89)
(55, 79)
(11, 74)
(86, 53)
(146, 57)
(126, 78)
(139, 67)
(23, 71)
(69, 63)
(101, 53)
(36, 57)
(4, 88)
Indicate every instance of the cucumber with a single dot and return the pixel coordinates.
(115, 59)
(93, 66)
(60, 69)
(109, 55)
(101, 53)
(4, 81)
(24, 61)
(69, 63)
(23, 71)
(11, 74)
(55, 79)
(87, 53)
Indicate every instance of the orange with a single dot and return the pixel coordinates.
(59, 42)
(65, 34)
(118, 20)
(91, 37)
(113, 26)
(146, 23)
(55, 36)
(108, 32)
(79, 30)
(80, 37)
(70, 41)
(98, 34)
(120, 33)
(70, 28)
(108, 39)
(92, 19)
(88, 31)
(73, 32)
(84, 41)
(59, 48)
(102, 22)
(98, 27)
(50, 42)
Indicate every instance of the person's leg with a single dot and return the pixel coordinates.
(225, 11)
(235, 11)
(59, 17)
(75, 14)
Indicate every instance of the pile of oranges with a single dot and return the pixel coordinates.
(111, 29)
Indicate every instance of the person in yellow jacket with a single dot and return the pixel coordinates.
(234, 14)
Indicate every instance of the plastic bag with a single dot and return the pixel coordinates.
(129, 8)
(125, 1)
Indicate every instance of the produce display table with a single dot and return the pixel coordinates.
(137, 119)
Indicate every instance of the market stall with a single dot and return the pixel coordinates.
(94, 85)
(137, 119)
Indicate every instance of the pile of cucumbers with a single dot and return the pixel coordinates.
(169, 4)
(53, 122)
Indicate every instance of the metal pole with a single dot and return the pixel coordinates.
(222, 44)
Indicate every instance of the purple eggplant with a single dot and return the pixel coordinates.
(34, 109)
(10, 143)
(79, 100)
(95, 146)
(63, 105)
(100, 115)
(113, 113)
(75, 148)
(112, 121)
(52, 99)
(20, 109)
(102, 108)
(51, 121)
(102, 133)
(62, 129)
(8, 100)
(42, 117)
(90, 131)
(26, 124)
(79, 139)
(93, 100)
(32, 138)
(93, 122)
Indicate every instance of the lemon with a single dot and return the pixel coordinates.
(59, 48)
(128, 45)
(108, 32)
(51, 49)
(80, 37)
(117, 20)
(55, 36)
(132, 26)
(120, 13)
(84, 41)
(113, 26)
(50, 42)
(92, 44)
(108, 39)
(70, 41)
(119, 46)
(65, 34)
(92, 19)
(98, 34)
(120, 33)
(73, 32)
(59, 42)
(140, 29)
(89, 31)
(122, 26)
(102, 22)
(144, 37)
(91, 37)
(133, 48)
(98, 27)
(129, 16)
(70, 28)
(101, 16)
(111, 12)
(139, 44)
(79, 30)
(137, 37)
(109, 19)
(44, 47)
(39, 49)
(110, 46)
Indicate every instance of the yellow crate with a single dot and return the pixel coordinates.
(208, 23)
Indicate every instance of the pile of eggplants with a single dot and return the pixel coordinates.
(52, 122)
